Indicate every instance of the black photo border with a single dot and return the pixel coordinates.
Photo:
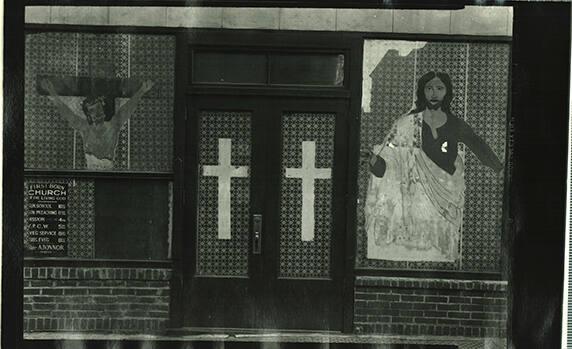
(540, 106)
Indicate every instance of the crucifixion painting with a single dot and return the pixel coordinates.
(101, 122)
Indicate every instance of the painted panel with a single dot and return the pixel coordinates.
(128, 81)
(224, 193)
(306, 195)
(479, 76)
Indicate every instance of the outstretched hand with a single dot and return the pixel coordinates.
(372, 158)
(500, 174)
(146, 86)
(369, 155)
(47, 85)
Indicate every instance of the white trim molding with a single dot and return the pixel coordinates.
(472, 20)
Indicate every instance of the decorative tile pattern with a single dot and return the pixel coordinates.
(487, 114)
(81, 216)
(144, 145)
(153, 58)
(81, 219)
(48, 140)
(103, 55)
(479, 72)
(79, 156)
(219, 257)
(306, 259)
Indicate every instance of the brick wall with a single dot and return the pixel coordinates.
(96, 299)
(410, 306)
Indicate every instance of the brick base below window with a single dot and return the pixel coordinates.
(409, 306)
(96, 299)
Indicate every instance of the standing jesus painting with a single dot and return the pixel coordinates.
(416, 195)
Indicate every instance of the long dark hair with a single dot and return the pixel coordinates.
(421, 101)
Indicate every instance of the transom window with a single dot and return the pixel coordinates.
(268, 68)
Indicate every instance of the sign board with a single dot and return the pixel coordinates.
(46, 219)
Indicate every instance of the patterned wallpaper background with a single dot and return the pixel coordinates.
(145, 142)
(480, 76)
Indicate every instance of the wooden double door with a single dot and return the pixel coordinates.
(266, 212)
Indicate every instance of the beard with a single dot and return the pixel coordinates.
(434, 105)
(95, 119)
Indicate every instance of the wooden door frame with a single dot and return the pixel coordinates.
(267, 112)
(349, 44)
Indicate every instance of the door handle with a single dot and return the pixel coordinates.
(256, 233)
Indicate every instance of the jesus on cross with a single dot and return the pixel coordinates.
(100, 132)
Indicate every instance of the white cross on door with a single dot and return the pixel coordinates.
(308, 173)
(225, 172)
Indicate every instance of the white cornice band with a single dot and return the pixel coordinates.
(472, 20)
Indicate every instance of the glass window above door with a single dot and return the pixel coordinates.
(307, 69)
(229, 68)
(268, 68)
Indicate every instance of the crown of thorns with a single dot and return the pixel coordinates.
(94, 99)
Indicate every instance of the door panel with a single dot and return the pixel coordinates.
(221, 282)
(306, 268)
(224, 193)
(306, 195)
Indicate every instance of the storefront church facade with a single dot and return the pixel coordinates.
(235, 198)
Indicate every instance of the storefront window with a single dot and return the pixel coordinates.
(431, 181)
(96, 106)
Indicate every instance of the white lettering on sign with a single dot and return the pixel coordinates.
(308, 173)
(225, 172)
